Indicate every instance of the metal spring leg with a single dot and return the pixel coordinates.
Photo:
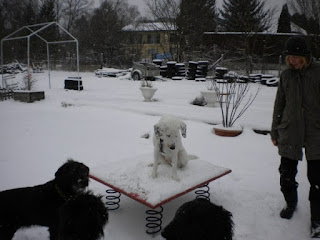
(154, 220)
(203, 192)
(113, 199)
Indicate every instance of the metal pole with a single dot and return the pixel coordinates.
(2, 65)
(101, 60)
(48, 62)
(28, 56)
(77, 44)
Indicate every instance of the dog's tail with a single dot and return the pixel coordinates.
(192, 157)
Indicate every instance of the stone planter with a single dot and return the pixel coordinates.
(28, 96)
(210, 97)
(148, 93)
(227, 132)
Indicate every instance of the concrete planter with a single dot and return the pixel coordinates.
(148, 93)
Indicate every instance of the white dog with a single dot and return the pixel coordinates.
(168, 146)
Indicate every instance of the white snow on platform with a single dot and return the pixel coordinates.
(133, 177)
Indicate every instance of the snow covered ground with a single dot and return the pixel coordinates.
(105, 123)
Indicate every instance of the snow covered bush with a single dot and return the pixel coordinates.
(28, 81)
(146, 83)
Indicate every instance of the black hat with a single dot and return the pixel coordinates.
(297, 46)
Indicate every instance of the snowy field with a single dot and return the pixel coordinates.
(105, 122)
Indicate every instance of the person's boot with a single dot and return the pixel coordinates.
(288, 211)
(315, 229)
(291, 198)
(315, 219)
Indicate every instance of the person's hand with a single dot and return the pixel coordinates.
(274, 142)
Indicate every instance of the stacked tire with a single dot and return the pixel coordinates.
(192, 70)
(171, 69)
(220, 72)
(180, 71)
(202, 69)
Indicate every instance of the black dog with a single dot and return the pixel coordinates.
(39, 205)
(200, 219)
(82, 218)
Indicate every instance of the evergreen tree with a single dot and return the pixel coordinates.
(47, 11)
(284, 22)
(106, 31)
(3, 28)
(195, 18)
(245, 16)
(30, 12)
(310, 25)
(314, 27)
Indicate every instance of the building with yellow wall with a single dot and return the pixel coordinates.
(148, 41)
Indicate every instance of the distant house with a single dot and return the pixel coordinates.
(149, 41)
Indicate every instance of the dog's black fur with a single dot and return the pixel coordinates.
(200, 219)
(82, 218)
(39, 205)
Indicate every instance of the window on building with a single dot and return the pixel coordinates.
(135, 38)
(152, 52)
(153, 38)
(173, 38)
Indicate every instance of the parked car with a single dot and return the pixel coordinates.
(148, 71)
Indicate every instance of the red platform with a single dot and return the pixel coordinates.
(132, 177)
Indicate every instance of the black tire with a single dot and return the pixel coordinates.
(136, 76)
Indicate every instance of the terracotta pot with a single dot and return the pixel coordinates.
(224, 132)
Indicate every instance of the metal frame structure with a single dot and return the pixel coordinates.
(41, 27)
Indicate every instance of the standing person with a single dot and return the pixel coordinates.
(296, 126)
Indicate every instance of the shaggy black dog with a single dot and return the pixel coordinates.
(82, 218)
(39, 205)
(200, 219)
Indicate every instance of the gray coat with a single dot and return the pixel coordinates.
(296, 114)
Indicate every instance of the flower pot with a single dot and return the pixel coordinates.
(148, 93)
(210, 97)
(227, 132)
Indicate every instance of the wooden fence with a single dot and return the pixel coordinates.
(5, 94)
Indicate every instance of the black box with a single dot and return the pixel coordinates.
(73, 83)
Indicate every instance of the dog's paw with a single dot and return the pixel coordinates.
(192, 157)
(154, 175)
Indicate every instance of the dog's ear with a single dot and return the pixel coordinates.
(158, 129)
(183, 128)
(63, 169)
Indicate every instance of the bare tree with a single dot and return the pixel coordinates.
(105, 29)
(231, 94)
(166, 12)
(306, 14)
(309, 8)
(73, 10)
(247, 17)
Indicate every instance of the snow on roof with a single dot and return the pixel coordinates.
(152, 26)
(254, 33)
(295, 28)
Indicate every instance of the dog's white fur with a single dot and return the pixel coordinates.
(168, 145)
